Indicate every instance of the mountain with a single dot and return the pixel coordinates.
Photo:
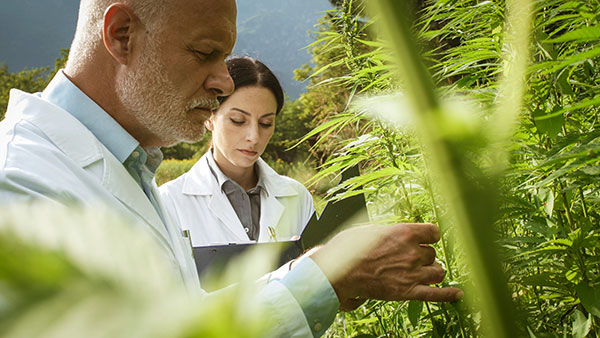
(32, 32)
(276, 32)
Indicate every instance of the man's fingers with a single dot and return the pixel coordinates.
(433, 294)
(427, 254)
(421, 233)
(431, 274)
(351, 304)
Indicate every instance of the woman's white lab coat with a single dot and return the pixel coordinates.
(197, 203)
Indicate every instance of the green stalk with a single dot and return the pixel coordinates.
(583, 205)
(442, 240)
(512, 82)
(469, 192)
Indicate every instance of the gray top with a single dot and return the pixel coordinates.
(245, 203)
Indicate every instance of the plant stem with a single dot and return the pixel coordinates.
(470, 192)
(583, 205)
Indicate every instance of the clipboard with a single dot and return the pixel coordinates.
(318, 230)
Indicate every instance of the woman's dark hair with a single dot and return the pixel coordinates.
(246, 72)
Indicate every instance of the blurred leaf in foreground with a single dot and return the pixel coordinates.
(75, 272)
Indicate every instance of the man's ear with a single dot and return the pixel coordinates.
(120, 27)
(209, 124)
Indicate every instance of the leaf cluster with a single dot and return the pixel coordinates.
(548, 220)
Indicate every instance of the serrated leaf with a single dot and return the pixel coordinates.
(583, 34)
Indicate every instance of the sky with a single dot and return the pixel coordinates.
(32, 32)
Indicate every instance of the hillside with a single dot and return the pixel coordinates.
(276, 31)
(32, 32)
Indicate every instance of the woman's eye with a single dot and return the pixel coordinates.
(237, 122)
(266, 125)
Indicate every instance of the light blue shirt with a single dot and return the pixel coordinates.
(306, 282)
(63, 93)
(314, 293)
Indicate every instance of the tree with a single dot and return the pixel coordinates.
(28, 80)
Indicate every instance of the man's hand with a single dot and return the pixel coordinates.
(384, 262)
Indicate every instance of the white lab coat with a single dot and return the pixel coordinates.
(198, 204)
(46, 153)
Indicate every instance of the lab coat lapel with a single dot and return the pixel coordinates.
(270, 213)
(120, 183)
(181, 245)
(220, 206)
(83, 148)
(272, 209)
(200, 181)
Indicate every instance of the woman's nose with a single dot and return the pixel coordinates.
(252, 133)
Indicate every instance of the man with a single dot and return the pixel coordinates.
(144, 74)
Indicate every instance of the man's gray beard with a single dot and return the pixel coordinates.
(156, 104)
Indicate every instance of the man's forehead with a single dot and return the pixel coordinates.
(205, 19)
(223, 9)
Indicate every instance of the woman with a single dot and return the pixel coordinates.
(231, 194)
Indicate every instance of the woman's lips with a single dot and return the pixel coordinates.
(248, 152)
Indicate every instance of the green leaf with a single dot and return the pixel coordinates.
(415, 307)
(549, 126)
(547, 198)
(581, 325)
(583, 34)
(367, 320)
(574, 274)
(563, 84)
(541, 279)
(589, 297)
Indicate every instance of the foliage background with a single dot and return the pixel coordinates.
(547, 218)
(548, 222)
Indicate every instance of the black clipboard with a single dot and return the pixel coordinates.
(318, 229)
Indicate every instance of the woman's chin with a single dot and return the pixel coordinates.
(245, 162)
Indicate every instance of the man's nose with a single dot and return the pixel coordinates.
(219, 81)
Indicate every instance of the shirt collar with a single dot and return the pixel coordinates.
(154, 158)
(222, 178)
(64, 94)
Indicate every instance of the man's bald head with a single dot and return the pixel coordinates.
(88, 35)
(156, 66)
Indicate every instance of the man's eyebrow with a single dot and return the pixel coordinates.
(247, 113)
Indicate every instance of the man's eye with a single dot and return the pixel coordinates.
(202, 55)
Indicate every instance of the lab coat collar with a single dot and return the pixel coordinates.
(200, 181)
(57, 124)
(83, 148)
(66, 95)
(222, 178)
